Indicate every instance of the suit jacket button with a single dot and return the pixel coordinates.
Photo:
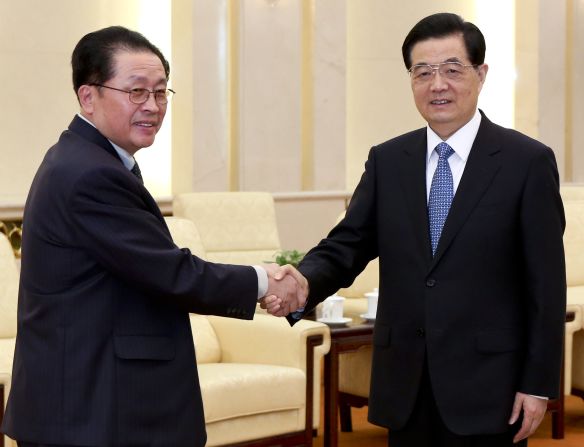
(420, 331)
(431, 282)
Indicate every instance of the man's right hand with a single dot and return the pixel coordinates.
(288, 285)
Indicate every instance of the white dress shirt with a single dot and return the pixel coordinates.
(461, 142)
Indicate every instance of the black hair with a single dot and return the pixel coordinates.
(442, 25)
(92, 58)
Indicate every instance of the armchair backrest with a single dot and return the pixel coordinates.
(8, 289)
(574, 242)
(572, 191)
(185, 234)
(235, 227)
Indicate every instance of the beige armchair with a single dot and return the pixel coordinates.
(235, 227)
(574, 247)
(8, 306)
(260, 379)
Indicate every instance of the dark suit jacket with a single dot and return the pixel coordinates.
(487, 312)
(104, 351)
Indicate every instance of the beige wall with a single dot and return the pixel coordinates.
(36, 41)
(265, 86)
(379, 98)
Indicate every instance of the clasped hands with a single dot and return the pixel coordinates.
(287, 290)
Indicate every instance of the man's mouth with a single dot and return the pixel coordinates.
(439, 102)
(144, 124)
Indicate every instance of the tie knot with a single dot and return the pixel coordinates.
(444, 150)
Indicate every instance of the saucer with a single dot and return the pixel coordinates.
(335, 322)
(368, 317)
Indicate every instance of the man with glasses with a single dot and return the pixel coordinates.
(467, 221)
(104, 352)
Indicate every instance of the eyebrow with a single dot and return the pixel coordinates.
(139, 78)
(450, 59)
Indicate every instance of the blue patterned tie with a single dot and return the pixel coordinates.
(441, 194)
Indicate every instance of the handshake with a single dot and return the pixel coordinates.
(287, 290)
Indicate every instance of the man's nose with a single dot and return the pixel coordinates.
(150, 103)
(438, 81)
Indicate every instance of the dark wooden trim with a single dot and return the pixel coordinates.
(577, 392)
(346, 402)
(300, 438)
(311, 342)
(1, 413)
(556, 406)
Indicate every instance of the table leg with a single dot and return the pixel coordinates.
(331, 397)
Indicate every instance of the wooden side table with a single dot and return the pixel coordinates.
(343, 339)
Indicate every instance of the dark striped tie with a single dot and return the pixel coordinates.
(136, 171)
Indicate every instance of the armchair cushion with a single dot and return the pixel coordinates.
(233, 390)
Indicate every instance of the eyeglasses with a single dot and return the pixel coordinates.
(141, 95)
(450, 70)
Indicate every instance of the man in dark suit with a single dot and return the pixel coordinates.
(104, 351)
(467, 221)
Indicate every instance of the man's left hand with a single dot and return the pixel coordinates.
(534, 409)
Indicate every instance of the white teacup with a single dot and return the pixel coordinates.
(372, 302)
(332, 308)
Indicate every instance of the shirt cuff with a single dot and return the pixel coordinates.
(539, 397)
(262, 281)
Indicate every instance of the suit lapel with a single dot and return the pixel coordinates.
(413, 183)
(90, 133)
(481, 167)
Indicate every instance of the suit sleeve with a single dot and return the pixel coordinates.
(337, 260)
(113, 223)
(542, 227)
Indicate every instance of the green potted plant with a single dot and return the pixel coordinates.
(292, 257)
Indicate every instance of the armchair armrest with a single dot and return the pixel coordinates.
(268, 340)
(4, 390)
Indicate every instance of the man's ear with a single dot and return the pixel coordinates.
(86, 95)
(482, 72)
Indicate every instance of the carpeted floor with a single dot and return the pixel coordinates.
(367, 435)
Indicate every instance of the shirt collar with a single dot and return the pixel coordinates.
(461, 140)
(127, 159)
